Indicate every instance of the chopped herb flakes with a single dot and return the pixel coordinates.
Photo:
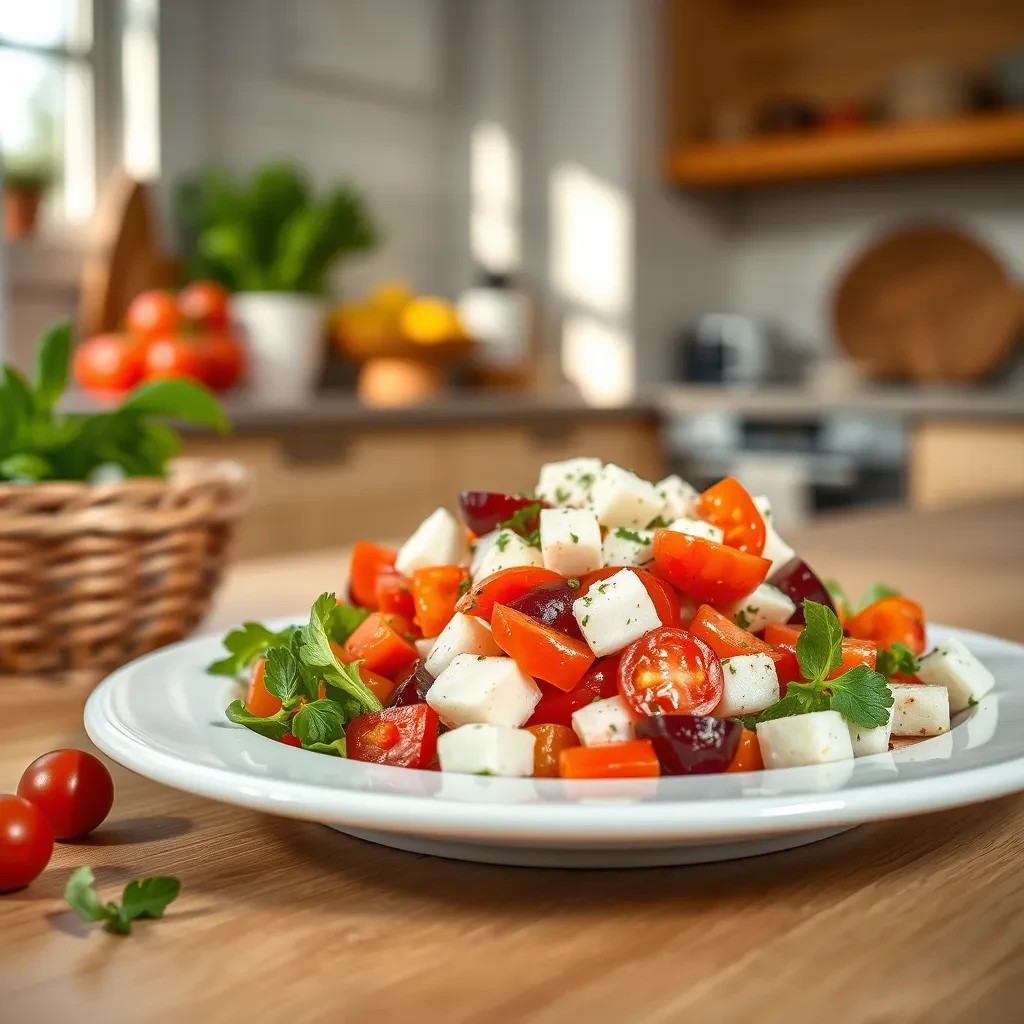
(574, 538)
(585, 620)
(631, 535)
(463, 586)
(573, 584)
(503, 541)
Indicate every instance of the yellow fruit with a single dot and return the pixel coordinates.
(430, 321)
(360, 329)
(391, 296)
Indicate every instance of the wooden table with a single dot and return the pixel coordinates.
(917, 920)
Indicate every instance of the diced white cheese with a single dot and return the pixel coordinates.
(424, 646)
(919, 709)
(568, 484)
(487, 750)
(570, 540)
(765, 606)
(627, 547)
(481, 546)
(679, 496)
(621, 498)
(750, 685)
(438, 540)
(508, 551)
(817, 738)
(871, 741)
(615, 612)
(953, 666)
(776, 550)
(475, 688)
(697, 528)
(604, 721)
(464, 634)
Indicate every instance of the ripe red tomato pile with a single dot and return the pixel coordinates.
(166, 335)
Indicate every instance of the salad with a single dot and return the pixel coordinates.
(603, 627)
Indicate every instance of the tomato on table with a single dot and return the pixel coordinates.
(556, 707)
(393, 594)
(665, 599)
(26, 842)
(784, 638)
(748, 754)
(259, 700)
(403, 737)
(539, 650)
(634, 759)
(670, 671)
(503, 587)
(369, 562)
(152, 314)
(729, 506)
(435, 592)
(704, 570)
(380, 647)
(169, 356)
(223, 360)
(109, 363)
(72, 788)
(551, 741)
(204, 303)
(888, 621)
(725, 638)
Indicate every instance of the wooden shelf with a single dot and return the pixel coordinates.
(875, 150)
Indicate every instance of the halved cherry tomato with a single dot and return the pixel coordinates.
(666, 600)
(730, 507)
(715, 573)
(259, 700)
(748, 754)
(380, 686)
(393, 594)
(403, 737)
(725, 638)
(405, 628)
(634, 759)
(556, 706)
(502, 587)
(888, 621)
(369, 561)
(784, 638)
(291, 741)
(380, 648)
(669, 671)
(435, 592)
(551, 741)
(539, 650)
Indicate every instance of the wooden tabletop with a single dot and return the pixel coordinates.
(916, 920)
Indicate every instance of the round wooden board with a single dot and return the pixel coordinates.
(929, 303)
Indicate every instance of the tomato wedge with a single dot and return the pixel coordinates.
(393, 593)
(634, 759)
(380, 648)
(706, 571)
(730, 507)
(380, 686)
(670, 671)
(888, 621)
(666, 600)
(725, 638)
(539, 650)
(259, 700)
(748, 754)
(503, 587)
(556, 706)
(403, 737)
(435, 592)
(368, 562)
(551, 741)
(784, 638)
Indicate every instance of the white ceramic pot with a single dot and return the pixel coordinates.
(284, 335)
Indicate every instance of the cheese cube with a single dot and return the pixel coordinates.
(750, 685)
(568, 484)
(604, 721)
(953, 666)
(479, 550)
(697, 528)
(627, 547)
(679, 496)
(621, 498)
(475, 688)
(570, 540)
(765, 606)
(464, 634)
(871, 741)
(438, 540)
(615, 612)
(424, 646)
(508, 551)
(487, 750)
(919, 709)
(776, 550)
(817, 738)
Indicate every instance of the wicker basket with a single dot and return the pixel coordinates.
(92, 575)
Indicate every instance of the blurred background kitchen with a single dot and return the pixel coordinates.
(781, 239)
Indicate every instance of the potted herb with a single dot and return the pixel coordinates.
(274, 245)
(24, 186)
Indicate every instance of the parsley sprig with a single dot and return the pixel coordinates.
(143, 898)
(898, 660)
(526, 523)
(860, 694)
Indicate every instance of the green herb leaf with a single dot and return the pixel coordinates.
(273, 727)
(19, 402)
(502, 541)
(800, 699)
(80, 895)
(24, 466)
(573, 584)
(861, 696)
(631, 535)
(245, 645)
(320, 721)
(897, 660)
(52, 361)
(336, 748)
(149, 897)
(520, 524)
(876, 592)
(839, 598)
(283, 677)
(819, 648)
(142, 898)
(178, 399)
(659, 523)
(345, 620)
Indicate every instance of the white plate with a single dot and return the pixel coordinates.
(163, 717)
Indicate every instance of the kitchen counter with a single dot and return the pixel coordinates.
(920, 919)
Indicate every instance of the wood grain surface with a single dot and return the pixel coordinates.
(915, 920)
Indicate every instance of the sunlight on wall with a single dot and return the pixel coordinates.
(140, 66)
(598, 359)
(494, 186)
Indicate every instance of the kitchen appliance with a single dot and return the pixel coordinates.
(724, 348)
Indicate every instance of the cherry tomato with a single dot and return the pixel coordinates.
(539, 650)
(204, 303)
(503, 587)
(551, 740)
(152, 314)
(483, 510)
(556, 706)
(169, 356)
(669, 671)
(26, 842)
(748, 754)
(704, 570)
(109, 363)
(380, 647)
(72, 788)
(888, 621)
(634, 759)
(730, 507)
(393, 594)
(369, 561)
(435, 591)
(665, 599)
(259, 700)
(380, 686)
(404, 737)
(291, 741)
(725, 638)
(223, 360)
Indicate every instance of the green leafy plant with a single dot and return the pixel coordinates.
(269, 233)
(27, 175)
(39, 443)
(143, 898)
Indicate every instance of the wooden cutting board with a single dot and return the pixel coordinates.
(929, 303)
